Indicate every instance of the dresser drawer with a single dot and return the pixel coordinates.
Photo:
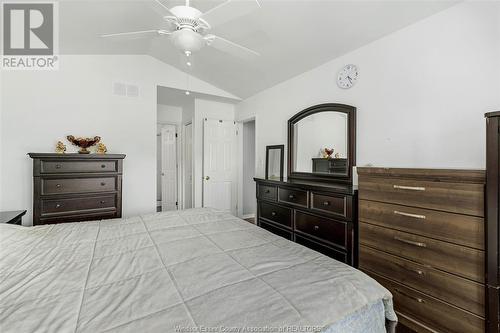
(456, 259)
(267, 192)
(458, 291)
(77, 185)
(79, 217)
(436, 314)
(292, 196)
(455, 228)
(50, 167)
(324, 249)
(461, 198)
(275, 213)
(68, 205)
(327, 229)
(338, 205)
(276, 230)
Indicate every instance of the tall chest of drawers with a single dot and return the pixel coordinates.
(321, 216)
(76, 187)
(421, 235)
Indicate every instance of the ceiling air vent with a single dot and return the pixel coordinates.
(125, 90)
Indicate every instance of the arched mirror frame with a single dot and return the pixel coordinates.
(351, 142)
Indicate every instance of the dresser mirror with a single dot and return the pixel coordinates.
(321, 141)
(274, 162)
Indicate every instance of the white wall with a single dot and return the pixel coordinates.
(169, 114)
(188, 111)
(420, 98)
(205, 109)
(249, 202)
(39, 108)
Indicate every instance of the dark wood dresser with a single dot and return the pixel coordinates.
(493, 219)
(76, 187)
(421, 235)
(319, 215)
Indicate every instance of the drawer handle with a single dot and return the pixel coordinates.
(418, 299)
(102, 202)
(103, 166)
(416, 216)
(103, 183)
(416, 271)
(326, 203)
(58, 166)
(410, 188)
(316, 227)
(406, 241)
(58, 205)
(291, 196)
(267, 191)
(273, 213)
(58, 185)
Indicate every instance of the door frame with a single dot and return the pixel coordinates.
(240, 162)
(183, 164)
(180, 162)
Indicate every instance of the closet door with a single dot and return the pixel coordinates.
(169, 167)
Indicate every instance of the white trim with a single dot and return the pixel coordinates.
(248, 216)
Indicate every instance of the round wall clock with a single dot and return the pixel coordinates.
(347, 76)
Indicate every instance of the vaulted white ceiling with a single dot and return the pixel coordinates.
(291, 36)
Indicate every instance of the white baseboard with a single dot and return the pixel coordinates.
(248, 216)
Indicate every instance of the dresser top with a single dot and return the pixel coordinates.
(492, 114)
(77, 156)
(313, 185)
(440, 175)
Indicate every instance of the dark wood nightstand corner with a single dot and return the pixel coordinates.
(12, 217)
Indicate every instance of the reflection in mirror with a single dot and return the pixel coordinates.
(321, 143)
(274, 162)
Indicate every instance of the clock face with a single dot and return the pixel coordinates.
(347, 76)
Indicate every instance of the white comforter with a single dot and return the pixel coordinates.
(172, 272)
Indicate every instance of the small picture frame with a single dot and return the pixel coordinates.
(274, 162)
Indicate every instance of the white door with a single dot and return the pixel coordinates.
(188, 158)
(169, 168)
(219, 164)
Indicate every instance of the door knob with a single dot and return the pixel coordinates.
(207, 178)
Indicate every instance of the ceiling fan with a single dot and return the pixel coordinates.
(188, 27)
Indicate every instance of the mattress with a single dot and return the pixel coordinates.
(197, 270)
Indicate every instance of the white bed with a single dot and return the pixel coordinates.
(175, 271)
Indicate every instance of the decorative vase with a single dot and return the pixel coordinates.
(83, 143)
(328, 153)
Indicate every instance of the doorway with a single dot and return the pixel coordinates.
(188, 166)
(167, 191)
(249, 203)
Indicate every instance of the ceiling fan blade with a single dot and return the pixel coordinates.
(160, 8)
(232, 48)
(136, 34)
(229, 10)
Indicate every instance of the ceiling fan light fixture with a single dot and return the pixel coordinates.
(187, 40)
